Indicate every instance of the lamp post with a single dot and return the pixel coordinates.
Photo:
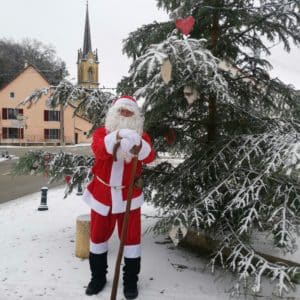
(43, 204)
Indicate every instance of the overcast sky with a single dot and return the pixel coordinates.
(61, 24)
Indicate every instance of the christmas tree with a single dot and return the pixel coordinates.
(237, 134)
(209, 99)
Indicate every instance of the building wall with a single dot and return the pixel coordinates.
(33, 122)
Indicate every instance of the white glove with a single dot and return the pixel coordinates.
(130, 134)
(125, 132)
(126, 144)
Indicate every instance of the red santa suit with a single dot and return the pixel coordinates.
(106, 194)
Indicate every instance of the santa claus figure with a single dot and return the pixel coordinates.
(114, 146)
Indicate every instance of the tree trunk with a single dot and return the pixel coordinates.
(212, 120)
(62, 125)
(212, 106)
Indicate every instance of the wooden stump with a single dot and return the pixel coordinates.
(82, 242)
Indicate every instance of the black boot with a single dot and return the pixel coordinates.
(130, 277)
(98, 266)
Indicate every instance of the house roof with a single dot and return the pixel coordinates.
(22, 71)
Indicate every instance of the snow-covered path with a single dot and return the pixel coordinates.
(38, 261)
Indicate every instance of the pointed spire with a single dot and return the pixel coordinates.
(87, 42)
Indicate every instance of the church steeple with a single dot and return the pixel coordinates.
(87, 61)
(87, 42)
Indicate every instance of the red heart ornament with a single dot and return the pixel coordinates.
(185, 25)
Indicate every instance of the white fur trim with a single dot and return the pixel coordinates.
(132, 251)
(125, 102)
(145, 150)
(120, 207)
(98, 248)
(95, 205)
(116, 177)
(110, 141)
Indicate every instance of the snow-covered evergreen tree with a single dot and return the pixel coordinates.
(238, 137)
(238, 140)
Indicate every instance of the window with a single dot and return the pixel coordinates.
(12, 133)
(51, 115)
(51, 134)
(11, 113)
(12, 95)
(90, 75)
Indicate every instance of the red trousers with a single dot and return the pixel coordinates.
(102, 228)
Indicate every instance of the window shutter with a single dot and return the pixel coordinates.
(20, 111)
(22, 133)
(58, 119)
(46, 134)
(4, 132)
(4, 113)
(46, 115)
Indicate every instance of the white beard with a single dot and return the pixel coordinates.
(114, 121)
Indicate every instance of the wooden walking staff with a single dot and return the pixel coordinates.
(125, 225)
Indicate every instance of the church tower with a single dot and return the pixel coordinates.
(87, 61)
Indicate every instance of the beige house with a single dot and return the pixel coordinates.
(37, 124)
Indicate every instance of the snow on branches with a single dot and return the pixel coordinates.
(56, 166)
(89, 103)
(192, 65)
(235, 188)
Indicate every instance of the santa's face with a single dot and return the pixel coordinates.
(125, 112)
(123, 117)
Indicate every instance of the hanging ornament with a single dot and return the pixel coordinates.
(185, 25)
(190, 94)
(67, 179)
(166, 71)
(170, 136)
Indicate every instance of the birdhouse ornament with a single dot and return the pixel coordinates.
(166, 71)
(190, 94)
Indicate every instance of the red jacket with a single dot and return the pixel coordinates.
(109, 187)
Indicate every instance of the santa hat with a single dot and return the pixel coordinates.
(126, 102)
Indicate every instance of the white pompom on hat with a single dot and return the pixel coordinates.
(125, 101)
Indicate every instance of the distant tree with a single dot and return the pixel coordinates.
(14, 55)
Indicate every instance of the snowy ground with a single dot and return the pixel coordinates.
(38, 261)
(6, 158)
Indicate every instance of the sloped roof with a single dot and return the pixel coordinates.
(21, 72)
